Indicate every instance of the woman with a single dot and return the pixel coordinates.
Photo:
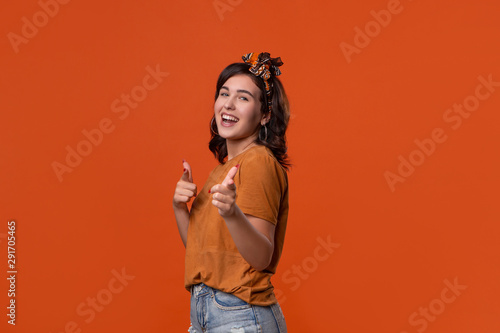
(235, 231)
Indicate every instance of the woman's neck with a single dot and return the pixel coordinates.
(236, 147)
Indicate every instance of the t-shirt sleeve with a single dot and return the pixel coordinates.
(260, 187)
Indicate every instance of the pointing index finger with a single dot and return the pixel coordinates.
(230, 176)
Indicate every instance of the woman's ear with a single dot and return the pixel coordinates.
(265, 118)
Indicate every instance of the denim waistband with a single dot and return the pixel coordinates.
(200, 289)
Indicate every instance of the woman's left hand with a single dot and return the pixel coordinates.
(224, 195)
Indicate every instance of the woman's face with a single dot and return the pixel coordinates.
(237, 109)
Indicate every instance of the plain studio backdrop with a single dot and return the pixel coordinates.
(393, 223)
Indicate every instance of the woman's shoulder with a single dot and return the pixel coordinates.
(261, 154)
(262, 158)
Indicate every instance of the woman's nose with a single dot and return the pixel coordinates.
(229, 103)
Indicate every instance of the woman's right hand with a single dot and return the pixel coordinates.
(185, 189)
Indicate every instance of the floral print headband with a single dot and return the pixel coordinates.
(263, 66)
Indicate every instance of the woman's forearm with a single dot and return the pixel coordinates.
(253, 246)
(181, 213)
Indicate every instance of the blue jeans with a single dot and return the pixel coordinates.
(214, 311)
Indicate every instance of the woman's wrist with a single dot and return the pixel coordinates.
(179, 205)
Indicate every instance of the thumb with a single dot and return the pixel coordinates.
(187, 174)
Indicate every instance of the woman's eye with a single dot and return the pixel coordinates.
(244, 98)
(223, 94)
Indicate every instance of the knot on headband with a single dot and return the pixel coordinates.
(262, 65)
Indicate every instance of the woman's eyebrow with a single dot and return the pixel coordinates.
(239, 90)
(244, 91)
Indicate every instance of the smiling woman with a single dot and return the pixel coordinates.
(237, 113)
(234, 242)
(273, 107)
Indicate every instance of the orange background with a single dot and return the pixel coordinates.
(351, 120)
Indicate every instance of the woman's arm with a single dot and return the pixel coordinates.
(181, 213)
(184, 191)
(253, 236)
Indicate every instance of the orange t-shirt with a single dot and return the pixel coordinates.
(211, 254)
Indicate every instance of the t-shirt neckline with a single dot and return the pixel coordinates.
(245, 151)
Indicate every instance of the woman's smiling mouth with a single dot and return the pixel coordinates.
(228, 120)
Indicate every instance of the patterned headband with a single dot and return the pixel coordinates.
(264, 66)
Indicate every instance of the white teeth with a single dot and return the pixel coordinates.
(230, 118)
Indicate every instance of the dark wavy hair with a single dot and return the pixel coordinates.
(277, 125)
